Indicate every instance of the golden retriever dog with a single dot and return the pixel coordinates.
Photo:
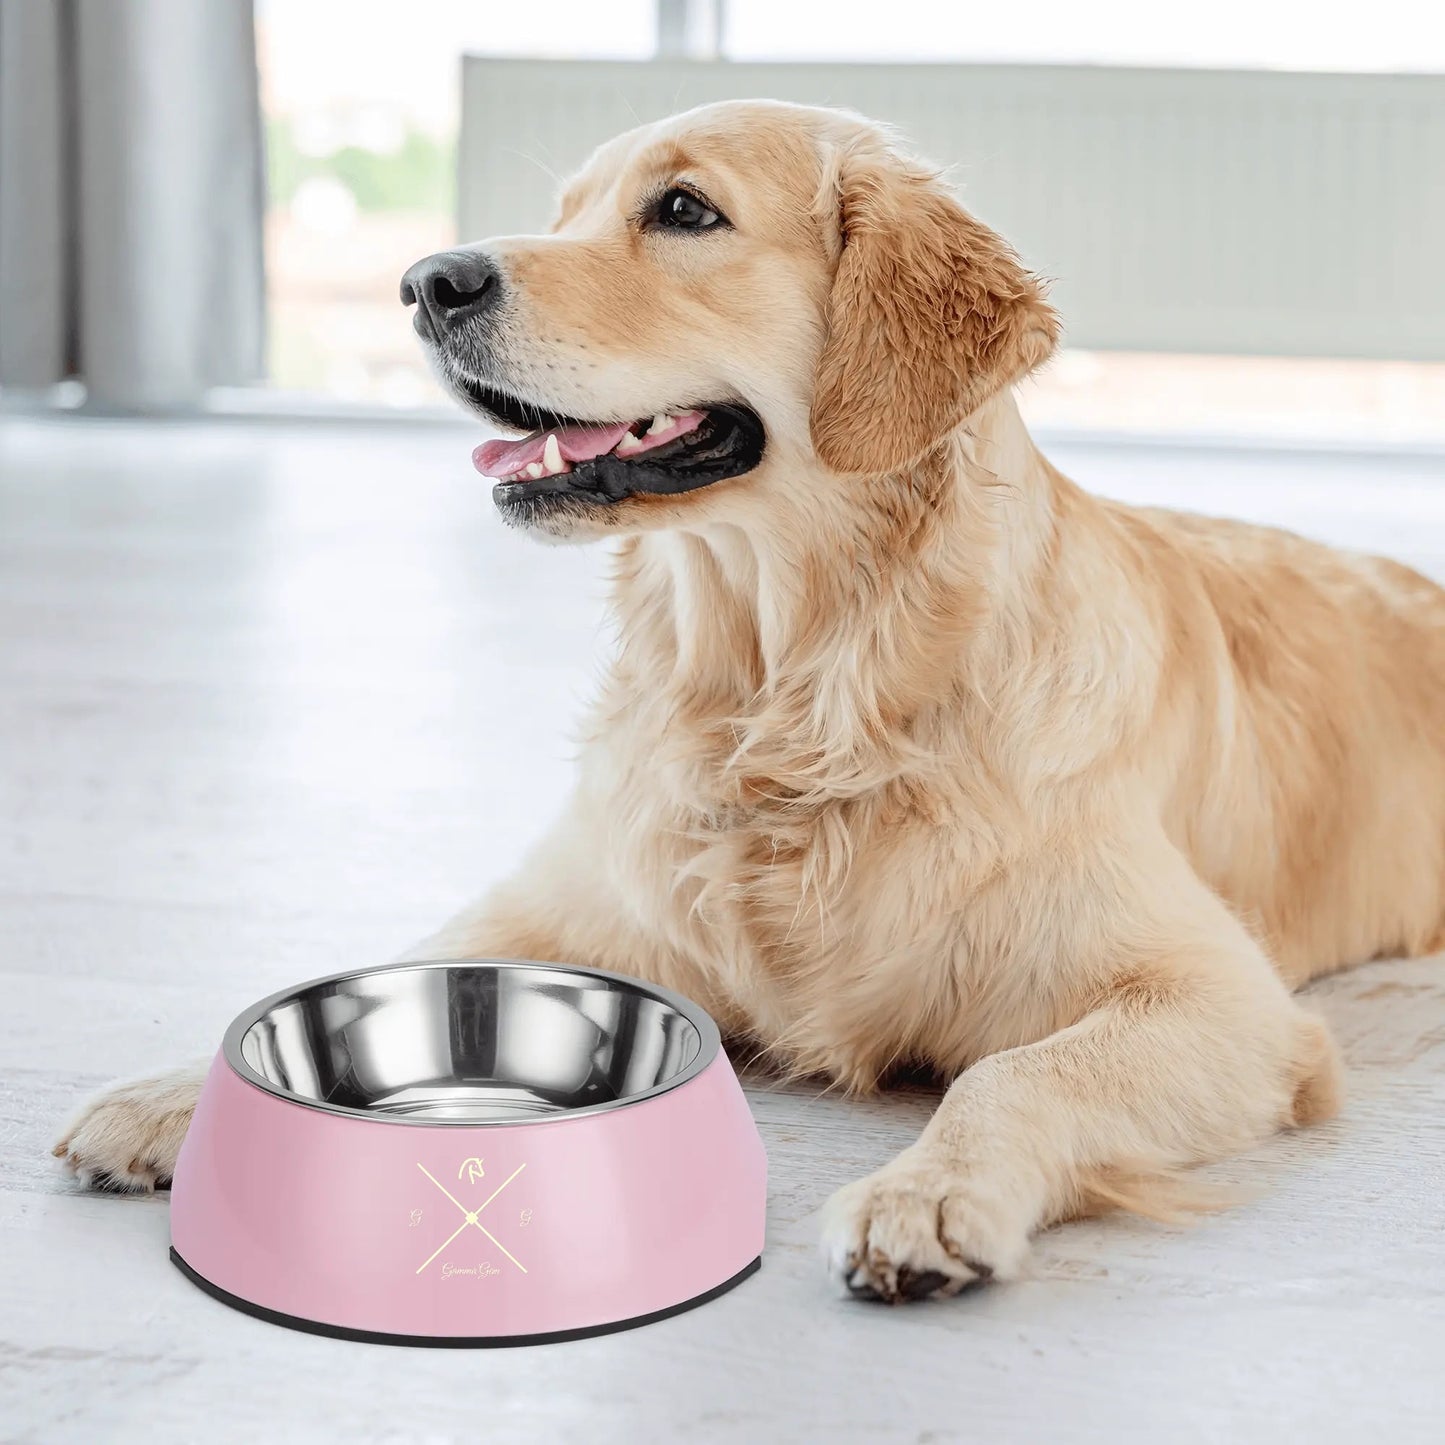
(912, 753)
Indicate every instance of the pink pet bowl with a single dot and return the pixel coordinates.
(470, 1153)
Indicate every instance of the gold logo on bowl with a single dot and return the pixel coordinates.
(469, 1216)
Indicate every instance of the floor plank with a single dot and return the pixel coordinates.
(263, 690)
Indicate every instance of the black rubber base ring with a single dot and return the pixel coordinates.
(454, 1342)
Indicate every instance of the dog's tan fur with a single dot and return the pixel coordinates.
(913, 752)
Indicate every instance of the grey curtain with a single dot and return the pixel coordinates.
(131, 196)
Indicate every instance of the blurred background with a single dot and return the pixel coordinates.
(1242, 208)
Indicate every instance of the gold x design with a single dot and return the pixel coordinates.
(470, 1217)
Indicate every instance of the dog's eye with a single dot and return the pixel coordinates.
(683, 210)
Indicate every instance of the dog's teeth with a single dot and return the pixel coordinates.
(552, 456)
(660, 422)
(535, 470)
(627, 445)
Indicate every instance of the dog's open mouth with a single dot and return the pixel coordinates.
(604, 462)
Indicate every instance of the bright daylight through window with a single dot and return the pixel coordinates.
(362, 155)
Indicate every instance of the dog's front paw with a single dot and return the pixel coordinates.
(922, 1227)
(129, 1137)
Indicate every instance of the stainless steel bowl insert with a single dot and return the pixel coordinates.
(476, 1041)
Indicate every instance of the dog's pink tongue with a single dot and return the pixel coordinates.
(576, 443)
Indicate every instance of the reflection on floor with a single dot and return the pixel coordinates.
(274, 699)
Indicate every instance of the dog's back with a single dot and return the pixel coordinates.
(1319, 809)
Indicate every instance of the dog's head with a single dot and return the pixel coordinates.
(747, 297)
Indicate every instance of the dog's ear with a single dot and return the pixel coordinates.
(931, 313)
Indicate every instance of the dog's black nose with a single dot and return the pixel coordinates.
(448, 288)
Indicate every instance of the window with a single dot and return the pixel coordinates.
(360, 105)
(1226, 34)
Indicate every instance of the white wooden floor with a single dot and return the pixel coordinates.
(263, 692)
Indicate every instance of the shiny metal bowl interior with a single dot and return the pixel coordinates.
(471, 1042)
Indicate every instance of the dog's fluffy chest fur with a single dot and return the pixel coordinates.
(786, 914)
(804, 831)
(834, 796)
